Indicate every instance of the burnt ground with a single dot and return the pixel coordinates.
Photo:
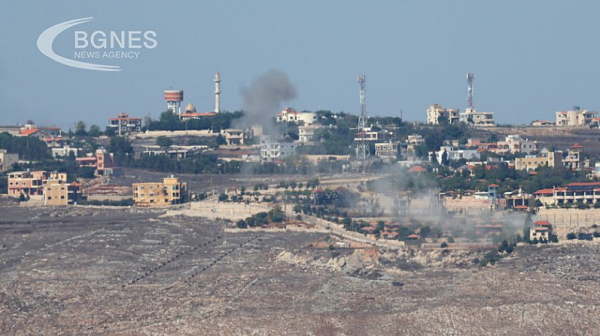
(78, 271)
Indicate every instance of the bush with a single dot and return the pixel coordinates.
(444, 245)
(242, 224)
(571, 236)
(223, 197)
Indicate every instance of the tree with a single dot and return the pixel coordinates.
(94, 131)
(109, 131)
(445, 161)
(571, 236)
(80, 128)
(223, 197)
(444, 245)
(297, 208)
(221, 140)
(164, 142)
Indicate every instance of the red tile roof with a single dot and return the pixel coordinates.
(542, 223)
(544, 192)
(417, 169)
(29, 131)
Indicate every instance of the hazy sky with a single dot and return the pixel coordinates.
(530, 58)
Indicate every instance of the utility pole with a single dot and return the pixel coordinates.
(362, 149)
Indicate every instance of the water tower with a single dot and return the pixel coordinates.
(174, 99)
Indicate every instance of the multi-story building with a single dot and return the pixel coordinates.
(478, 119)
(306, 133)
(30, 183)
(170, 191)
(513, 143)
(237, 136)
(102, 161)
(387, 151)
(274, 149)
(436, 114)
(413, 141)
(574, 159)
(578, 192)
(550, 159)
(7, 160)
(123, 124)
(58, 192)
(289, 115)
(575, 117)
(541, 230)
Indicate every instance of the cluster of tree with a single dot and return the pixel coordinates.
(28, 148)
(195, 164)
(340, 197)
(276, 215)
(169, 121)
(509, 179)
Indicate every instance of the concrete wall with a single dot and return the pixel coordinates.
(569, 220)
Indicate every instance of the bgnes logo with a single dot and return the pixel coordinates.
(104, 45)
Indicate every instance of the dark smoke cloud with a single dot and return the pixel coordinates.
(264, 97)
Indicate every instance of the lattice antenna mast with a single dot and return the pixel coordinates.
(362, 149)
(470, 80)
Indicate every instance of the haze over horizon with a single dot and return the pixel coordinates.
(530, 59)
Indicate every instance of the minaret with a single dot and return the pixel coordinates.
(217, 92)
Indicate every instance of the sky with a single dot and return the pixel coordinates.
(530, 58)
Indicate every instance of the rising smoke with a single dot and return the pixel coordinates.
(264, 97)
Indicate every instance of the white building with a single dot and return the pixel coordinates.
(289, 115)
(478, 119)
(306, 133)
(513, 143)
(456, 154)
(271, 149)
(437, 114)
(64, 151)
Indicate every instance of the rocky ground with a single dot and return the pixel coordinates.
(93, 271)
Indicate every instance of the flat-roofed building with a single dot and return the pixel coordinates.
(550, 159)
(123, 124)
(387, 151)
(30, 183)
(478, 119)
(575, 117)
(437, 114)
(57, 192)
(153, 194)
(7, 160)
